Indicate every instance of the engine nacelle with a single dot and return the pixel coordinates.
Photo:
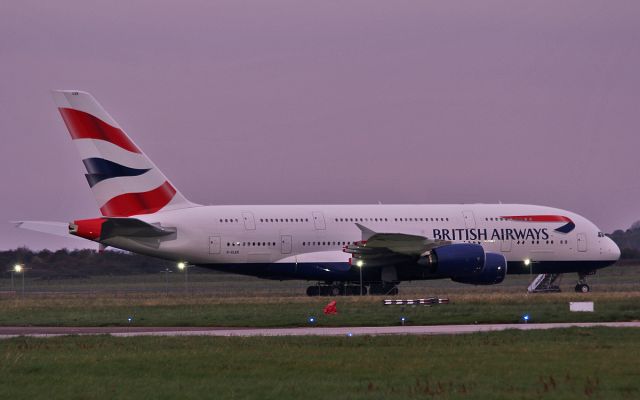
(460, 260)
(494, 271)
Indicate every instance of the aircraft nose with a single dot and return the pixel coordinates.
(614, 250)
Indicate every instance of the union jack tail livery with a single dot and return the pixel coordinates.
(123, 179)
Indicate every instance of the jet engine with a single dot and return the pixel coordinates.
(494, 271)
(467, 263)
(459, 260)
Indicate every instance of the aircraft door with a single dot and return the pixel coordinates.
(214, 244)
(286, 244)
(505, 245)
(249, 221)
(469, 219)
(318, 220)
(582, 242)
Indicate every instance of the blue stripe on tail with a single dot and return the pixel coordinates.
(100, 169)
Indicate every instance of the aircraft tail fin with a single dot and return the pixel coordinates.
(123, 179)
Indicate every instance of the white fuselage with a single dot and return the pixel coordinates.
(318, 233)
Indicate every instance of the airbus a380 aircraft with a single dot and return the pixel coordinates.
(336, 245)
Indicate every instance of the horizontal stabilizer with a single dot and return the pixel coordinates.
(52, 228)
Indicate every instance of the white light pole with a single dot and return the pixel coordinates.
(19, 269)
(527, 263)
(360, 264)
(166, 273)
(183, 266)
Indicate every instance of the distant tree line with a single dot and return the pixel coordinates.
(628, 241)
(65, 263)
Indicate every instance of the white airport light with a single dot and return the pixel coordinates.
(349, 334)
(184, 267)
(130, 319)
(403, 320)
(312, 320)
(18, 269)
(525, 318)
(359, 264)
(527, 261)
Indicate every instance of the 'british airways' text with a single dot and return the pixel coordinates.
(487, 234)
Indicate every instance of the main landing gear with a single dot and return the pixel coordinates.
(341, 289)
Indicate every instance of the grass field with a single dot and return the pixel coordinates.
(231, 300)
(558, 364)
(598, 363)
(152, 310)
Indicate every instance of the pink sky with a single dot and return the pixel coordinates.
(282, 102)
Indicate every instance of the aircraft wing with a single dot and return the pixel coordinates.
(380, 249)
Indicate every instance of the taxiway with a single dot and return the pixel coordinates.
(130, 331)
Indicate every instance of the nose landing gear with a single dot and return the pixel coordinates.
(582, 286)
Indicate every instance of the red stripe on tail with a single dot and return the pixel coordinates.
(129, 204)
(82, 125)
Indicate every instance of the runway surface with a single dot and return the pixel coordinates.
(129, 331)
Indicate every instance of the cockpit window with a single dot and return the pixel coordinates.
(600, 234)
